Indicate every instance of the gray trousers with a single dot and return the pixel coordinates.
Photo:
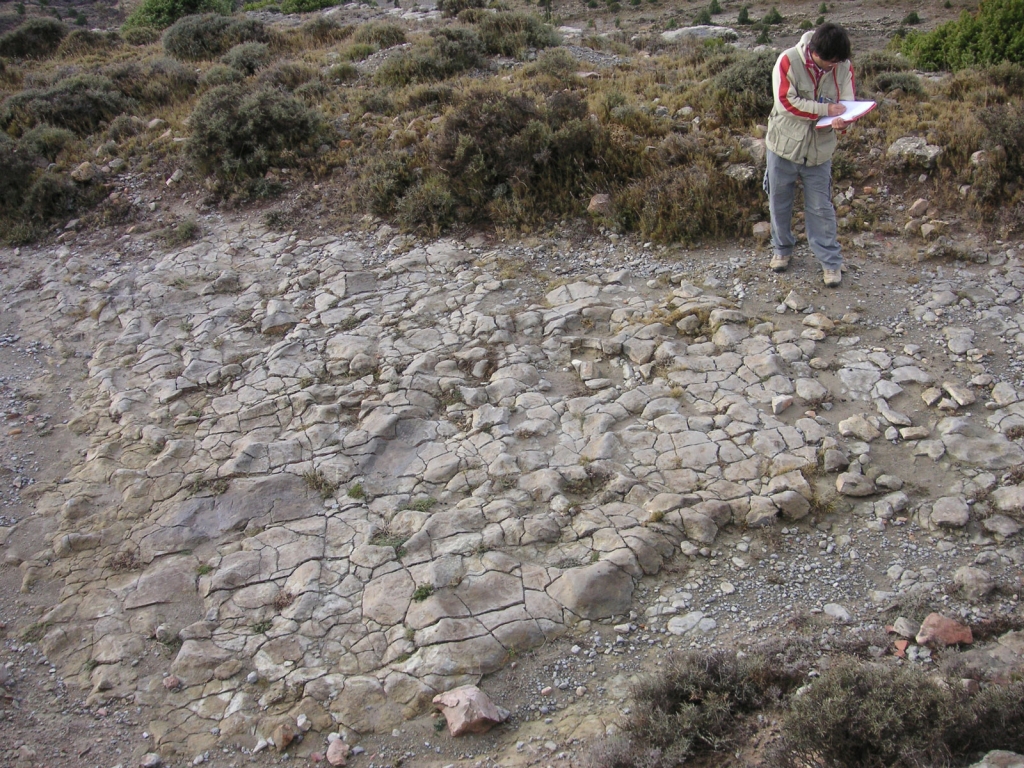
(819, 214)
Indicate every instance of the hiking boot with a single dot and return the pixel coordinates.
(832, 277)
(779, 263)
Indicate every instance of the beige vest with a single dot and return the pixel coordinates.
(798, 104)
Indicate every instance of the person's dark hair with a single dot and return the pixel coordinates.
(831, 42)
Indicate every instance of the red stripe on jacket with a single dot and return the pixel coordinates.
(784, 86)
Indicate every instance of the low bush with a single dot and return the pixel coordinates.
(323, 30)
(37, 38)
(345, 72)
(455, 7)
(357, 52)
(46, 141)
(857, 714)
(154, 82)
(80, 42)
(876, 716)
(448, 51)
(382, 34)
(124, 127)
(688, 204)
(288, 75)
(745, 86)
(695, 707)
(160, 14)
(221, 74)
(558, 64)
(79, 103)
(140, 35)
(510, 33)
(887, 82)
(873, 62)
(425, 95)
(305, 6)
(49, 197)
(428, 205)
(992, 35)
(202, 38)
(773, 17)
(237, 134)
(377, 102)
(248, 58)
(15, 173)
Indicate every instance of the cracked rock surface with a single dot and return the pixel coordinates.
(329, 479)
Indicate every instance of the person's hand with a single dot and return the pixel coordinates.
(834, 110)
(839, 124)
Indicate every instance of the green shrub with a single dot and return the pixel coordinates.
(79, 42)
(714, 7)
(747, 82)
(313, 91)
(198, 38)
(324, 30)
(49, 197)
(248, 58)
(305, 6)
(1009, 77)
(993, 35)
(343, 73)
(159, 14)
(428, 205)
(37, 38)
(557, 63)
(357, 51)
(15, 174)
(221, 74)
(911, 18)
(703, 16)
(46, 141)
(907, 82)
(140, 35)
(448, 51)
(873, 62)
(855, 715)
(79, 103)
(690, 204)
(382, 34)
(9, 21)
(425, 95)
(773, 17)
(288, 75)
(238, 134)
(377, 102)
(123, 127)
(154, 82)
(455, 7)
(696, 706)
(510, 33)
(743, 17)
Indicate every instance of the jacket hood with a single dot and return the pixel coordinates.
(805, 40)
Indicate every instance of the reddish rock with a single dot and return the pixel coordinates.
(901, 648)
(938, 630)
(284, 735)
(171, 683)
(601, 204)
(468, 710)
(337, 752)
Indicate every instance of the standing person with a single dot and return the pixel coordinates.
(808, 81)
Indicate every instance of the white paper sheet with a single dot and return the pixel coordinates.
(854, 110)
